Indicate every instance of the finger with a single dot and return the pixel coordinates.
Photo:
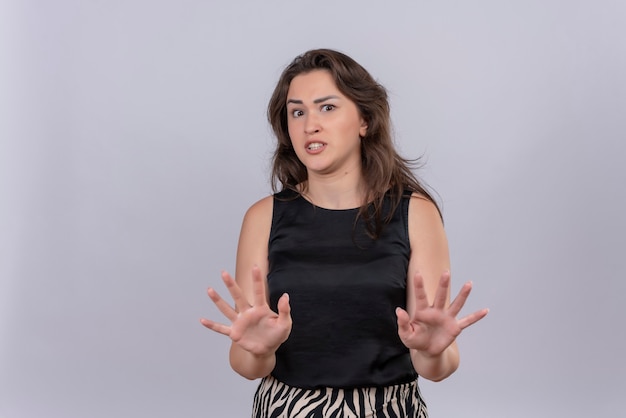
(472, 318)
(441, 295)
(284, 310)
(404, 322)
(259, 287)
(222, 329)
(241, 303)
(421, 299)
(222, 305)
(461, 298)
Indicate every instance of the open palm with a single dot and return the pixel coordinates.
(255, 327)
(433, 327)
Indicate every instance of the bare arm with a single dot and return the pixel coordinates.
(429, 326)
(256, 331)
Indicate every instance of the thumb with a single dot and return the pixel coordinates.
(284, 309)
(403, 321)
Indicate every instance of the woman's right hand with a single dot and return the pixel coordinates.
(254, 327)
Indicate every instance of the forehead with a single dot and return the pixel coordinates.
(312, 85)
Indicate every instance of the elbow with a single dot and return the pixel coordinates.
(438, 368)
(243, 371)
(249, 366)
(439, 375)
(241, 367)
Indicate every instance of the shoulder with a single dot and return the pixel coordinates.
(429, 244)
(423, 208)
(425, 223)
(253, 239)
(260, 211)
(263, 210)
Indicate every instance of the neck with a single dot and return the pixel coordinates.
(345, 190)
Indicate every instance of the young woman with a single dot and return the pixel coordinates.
(342, 280)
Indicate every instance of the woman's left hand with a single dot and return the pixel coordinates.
(432, 328)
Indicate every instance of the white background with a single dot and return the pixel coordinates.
(133, 138)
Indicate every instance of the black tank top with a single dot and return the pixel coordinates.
(343, 288)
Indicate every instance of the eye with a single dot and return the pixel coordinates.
(327, 107)
(297, 113)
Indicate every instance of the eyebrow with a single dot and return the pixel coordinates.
(316, 101)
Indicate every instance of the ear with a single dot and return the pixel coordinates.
(363, 128)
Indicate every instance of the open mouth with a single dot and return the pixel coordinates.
(315, 146)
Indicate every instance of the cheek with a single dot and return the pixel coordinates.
(353, 128)
(291, 128)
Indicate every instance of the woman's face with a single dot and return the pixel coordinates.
(325, 126)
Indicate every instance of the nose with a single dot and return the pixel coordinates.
(312, 124)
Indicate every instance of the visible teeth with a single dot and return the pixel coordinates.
(315, 145)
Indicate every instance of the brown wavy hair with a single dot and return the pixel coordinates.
(384, 171)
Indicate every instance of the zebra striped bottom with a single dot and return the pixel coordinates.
(274, 399)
